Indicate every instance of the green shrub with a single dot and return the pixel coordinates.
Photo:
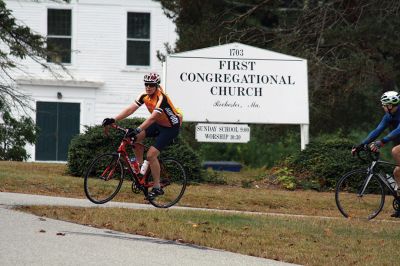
(213, 177)
(323, 162)
(287, 182)
(247, 183)
(85, 147)
(286, 179)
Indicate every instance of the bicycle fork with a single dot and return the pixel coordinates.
(366, 181)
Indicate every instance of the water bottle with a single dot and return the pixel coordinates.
(135, 165)
(145, 165)
(391, 181)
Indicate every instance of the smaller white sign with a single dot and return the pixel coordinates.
(231, 133)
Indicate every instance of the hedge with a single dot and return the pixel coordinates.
(322, 163)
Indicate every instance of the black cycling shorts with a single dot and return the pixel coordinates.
(164, 135)
(396, 142)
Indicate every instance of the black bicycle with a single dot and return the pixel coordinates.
(361, 193)
(106, 173)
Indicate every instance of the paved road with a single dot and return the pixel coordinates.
(26, 239)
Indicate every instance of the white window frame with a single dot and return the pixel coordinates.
(137, 39)
(62, 36)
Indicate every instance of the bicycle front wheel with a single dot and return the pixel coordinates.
(352, 202)
(104, 178)
(173, 182)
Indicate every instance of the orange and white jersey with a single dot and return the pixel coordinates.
(161, 103)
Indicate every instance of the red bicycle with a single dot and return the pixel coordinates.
(106, 173)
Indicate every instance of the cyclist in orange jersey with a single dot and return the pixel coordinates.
(163, 124)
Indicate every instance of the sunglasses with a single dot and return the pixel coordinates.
(150, 85)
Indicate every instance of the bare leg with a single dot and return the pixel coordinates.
(396, 174)
(139, 149)
(152, 157)
(396, 157)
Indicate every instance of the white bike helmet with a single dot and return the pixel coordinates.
(390, 97)
(152, 78)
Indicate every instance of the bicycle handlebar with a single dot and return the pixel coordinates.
(106, 128)
(122, 129)
(125, 130)
(371, 156)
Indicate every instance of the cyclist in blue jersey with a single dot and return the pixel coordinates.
(390, 102)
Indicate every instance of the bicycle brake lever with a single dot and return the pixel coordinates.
(371, 155)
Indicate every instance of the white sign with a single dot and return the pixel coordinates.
(222, 133)
(237, 83)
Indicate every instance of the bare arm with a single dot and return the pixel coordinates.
(127, 111)
(150, 120)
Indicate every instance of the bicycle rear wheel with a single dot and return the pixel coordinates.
(173, 182)
(104, 178)
(353, 205)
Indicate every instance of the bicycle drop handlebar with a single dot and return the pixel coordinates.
(131, 139)
(122, 129)
(371, 156)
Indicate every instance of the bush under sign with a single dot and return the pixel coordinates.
(229, 133)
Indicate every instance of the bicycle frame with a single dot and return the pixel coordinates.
(371, 172)
(140, 181)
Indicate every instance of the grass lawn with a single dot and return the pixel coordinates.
(50, 179)
(300, 240)
(303, 240)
